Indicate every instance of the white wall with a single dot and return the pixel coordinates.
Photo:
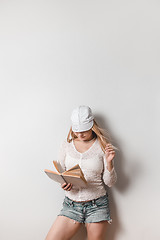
(54, 56)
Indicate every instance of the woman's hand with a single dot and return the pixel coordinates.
(109, 153)
(66, 186)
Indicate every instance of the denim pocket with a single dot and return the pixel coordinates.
(103, 201)
(66, 203)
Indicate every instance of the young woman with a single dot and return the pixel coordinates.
(87, 146)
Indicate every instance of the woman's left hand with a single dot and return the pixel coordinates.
(109, 152)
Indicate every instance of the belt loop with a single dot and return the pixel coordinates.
(93, 202)
(72, 204)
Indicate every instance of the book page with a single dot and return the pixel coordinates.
(58, 166)
(76, 181)
(76, 167)
(75, 171)
(55, 176)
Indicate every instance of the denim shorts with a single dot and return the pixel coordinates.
(96, 210)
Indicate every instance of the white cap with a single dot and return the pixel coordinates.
(82, 119)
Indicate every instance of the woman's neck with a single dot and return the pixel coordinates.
(89, 140)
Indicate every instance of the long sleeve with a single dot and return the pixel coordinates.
(109, 178)
(61, 156)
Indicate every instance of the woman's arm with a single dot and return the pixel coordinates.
(109, 173)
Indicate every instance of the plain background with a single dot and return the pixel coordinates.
(54, 56)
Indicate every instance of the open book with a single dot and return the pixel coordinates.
(74, 175)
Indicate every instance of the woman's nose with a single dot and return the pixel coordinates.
(80, 134)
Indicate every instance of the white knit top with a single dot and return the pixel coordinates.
(94, 166)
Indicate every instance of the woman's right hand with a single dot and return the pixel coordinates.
(66, 186)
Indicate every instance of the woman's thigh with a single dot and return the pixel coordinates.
(96, 231)
(63, 229)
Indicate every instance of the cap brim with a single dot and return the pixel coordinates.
(82, 127)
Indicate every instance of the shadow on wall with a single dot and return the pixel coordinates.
(121, 185)
(123, 182)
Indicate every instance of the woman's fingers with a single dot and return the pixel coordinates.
(69, 188)
(109, 148)
(66, 186)
(63, 185)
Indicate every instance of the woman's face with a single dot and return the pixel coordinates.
(84, 136)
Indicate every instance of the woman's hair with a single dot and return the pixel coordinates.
(100, 133)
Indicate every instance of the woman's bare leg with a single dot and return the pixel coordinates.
(63, 229)
(96, 231)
